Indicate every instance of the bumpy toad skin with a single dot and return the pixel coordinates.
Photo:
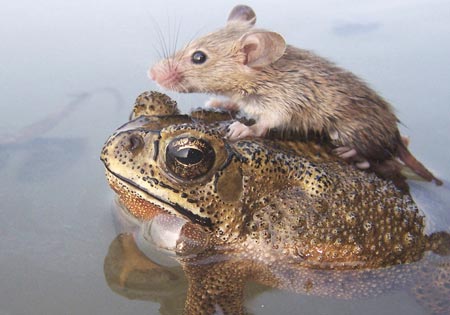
(262, 200)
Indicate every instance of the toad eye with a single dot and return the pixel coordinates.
(189, 157)
(198, 57)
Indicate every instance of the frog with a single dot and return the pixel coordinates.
(287, 214)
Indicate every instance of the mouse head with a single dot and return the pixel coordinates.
(224, 61)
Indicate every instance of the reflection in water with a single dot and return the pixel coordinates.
(131, 274)
(39, 127)
(42, 156)
(211, 282)
(36, 156)
(50, 121)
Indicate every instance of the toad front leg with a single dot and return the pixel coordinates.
(216, 288)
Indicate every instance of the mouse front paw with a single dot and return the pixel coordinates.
(238, 131)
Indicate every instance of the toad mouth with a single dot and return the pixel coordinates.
(171, 207)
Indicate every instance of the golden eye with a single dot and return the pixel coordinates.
(189, 157)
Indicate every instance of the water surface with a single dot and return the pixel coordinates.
(56, 219)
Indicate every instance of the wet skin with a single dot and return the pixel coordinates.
(285, 214)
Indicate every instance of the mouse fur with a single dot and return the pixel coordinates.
(286, 88)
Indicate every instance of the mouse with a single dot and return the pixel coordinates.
(286, 88)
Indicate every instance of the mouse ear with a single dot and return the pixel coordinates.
(242, 13)
(262, 48)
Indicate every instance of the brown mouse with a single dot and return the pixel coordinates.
(286, 88)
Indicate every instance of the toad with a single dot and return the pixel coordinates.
(283, 213)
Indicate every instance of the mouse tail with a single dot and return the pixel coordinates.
(418, 168)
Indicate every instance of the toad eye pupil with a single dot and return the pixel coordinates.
(198, 57)
(189, 156)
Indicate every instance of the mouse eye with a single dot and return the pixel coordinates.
(198, 57)
(189, 157)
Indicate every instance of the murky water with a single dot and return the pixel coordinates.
(92, 57)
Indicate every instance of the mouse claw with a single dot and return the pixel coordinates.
(334, 135)
(405, 140)
(238, 131)
(345, 152)
(352, 156)
(363, 165)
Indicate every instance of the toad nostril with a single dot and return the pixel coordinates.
(136, 143)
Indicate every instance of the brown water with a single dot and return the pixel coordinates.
(92, 56)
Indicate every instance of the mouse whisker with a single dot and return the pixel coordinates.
(177, 36)
(156, 49)
(170, 40)
(173, 60)
(161, 41)
(157, 52)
